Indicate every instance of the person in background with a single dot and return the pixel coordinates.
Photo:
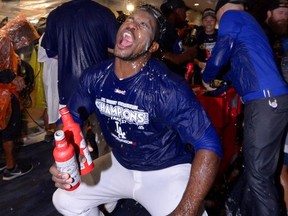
(254, 74)
(77, 34)
(172, 50)
(38, 96)
(205, 41)
(50, 80)
(276, 29)
(14, 35)
(149, 161)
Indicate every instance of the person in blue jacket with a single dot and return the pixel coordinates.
(78, 33)
(254, 74)
(148, 115)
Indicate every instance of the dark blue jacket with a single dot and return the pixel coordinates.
(148, 118)
(242, 42)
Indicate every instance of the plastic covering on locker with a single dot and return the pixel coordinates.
(225, 111)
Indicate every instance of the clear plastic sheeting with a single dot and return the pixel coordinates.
(16, 34)
(33, 9)
(7, 53)
(21, 32)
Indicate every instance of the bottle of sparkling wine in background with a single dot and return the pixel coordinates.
(189, 72)
(190, 40)
(74, 134)
(65, 158)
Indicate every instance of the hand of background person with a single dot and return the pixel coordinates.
(190, 51)
(187, 55)
(19, 83)
(207, 86)
(202, 65)
(62, 180)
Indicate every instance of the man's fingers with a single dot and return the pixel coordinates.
(90, 148)
(63, 186)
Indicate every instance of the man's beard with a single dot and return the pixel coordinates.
(279, 28)
(133, 57)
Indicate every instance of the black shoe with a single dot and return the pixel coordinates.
(16, 172)
(2, 166)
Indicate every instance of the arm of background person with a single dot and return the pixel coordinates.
(200, 64)
(188, 54)
(227, 37)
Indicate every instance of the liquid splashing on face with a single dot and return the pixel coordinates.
(134, 65)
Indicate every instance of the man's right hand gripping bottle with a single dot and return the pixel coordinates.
(65, 158)
(74, 134)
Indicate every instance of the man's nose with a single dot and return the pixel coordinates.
(133, 25)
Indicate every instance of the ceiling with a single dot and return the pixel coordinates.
(203, 4)
(34, 9)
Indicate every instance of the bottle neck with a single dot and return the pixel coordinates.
(61, 143)
(67, 118)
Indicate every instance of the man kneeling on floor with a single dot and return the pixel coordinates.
(148, 115)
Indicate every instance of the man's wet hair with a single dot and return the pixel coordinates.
(158, 15)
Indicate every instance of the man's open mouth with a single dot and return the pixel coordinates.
(127, 40)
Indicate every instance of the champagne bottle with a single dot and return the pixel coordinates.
(74, 134)
(65, 158)
(191, 38)
(189, 72)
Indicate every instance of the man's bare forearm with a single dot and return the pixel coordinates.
(203, 173)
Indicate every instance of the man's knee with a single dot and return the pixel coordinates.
(61, 201)
(68, 204)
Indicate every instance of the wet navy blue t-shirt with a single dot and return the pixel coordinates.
(147, 119)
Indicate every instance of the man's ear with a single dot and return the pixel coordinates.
(269, 14)
(154, 47)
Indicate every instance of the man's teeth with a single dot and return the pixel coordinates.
(127, 36)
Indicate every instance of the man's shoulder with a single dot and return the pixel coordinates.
(166, 76)
(235, 16)
(102, 67)
(158, 66)
(96, 73)
(234, 20)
